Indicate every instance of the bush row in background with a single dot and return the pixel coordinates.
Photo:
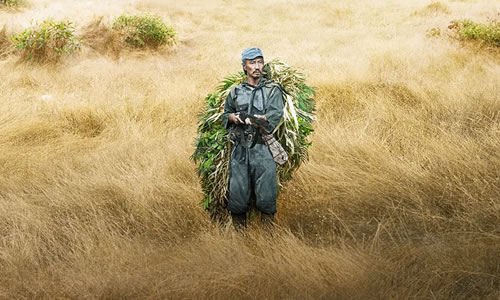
(466, 30)
(50, 40)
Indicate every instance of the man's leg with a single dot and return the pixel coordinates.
(263, 169)
(239, 187)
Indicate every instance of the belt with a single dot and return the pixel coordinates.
(254, 140)
(238, 135)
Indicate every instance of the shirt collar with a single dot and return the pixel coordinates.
(261, 83)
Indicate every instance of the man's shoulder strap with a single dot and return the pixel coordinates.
(270, 86)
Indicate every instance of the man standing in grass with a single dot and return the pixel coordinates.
(252, 169)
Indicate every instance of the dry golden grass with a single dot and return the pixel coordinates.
(5, 45)
(434, 8)
(400, 199)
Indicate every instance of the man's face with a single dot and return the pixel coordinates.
(254, 67)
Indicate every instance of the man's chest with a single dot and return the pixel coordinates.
(246, 96)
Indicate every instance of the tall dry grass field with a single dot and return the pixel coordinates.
(400, 198)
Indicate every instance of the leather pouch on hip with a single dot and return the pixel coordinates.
(279, 154)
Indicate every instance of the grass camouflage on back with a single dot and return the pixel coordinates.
(213, 147)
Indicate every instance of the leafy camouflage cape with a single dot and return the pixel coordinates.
(213, 147)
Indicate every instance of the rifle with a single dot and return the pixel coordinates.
(243, 116)
(279, 154)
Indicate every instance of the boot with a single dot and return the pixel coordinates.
(239, 221)
(267, 220)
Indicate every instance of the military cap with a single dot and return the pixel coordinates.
(251, 53)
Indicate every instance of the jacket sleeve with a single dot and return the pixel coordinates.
(229, 108)
(274, 110)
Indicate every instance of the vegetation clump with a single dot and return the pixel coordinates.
(144, 31)
(468, 30)
(13, 3)
(213, 147)
(47, 41)
(433, 9)
(433, 32)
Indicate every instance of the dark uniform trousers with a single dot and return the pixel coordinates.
(252, 168)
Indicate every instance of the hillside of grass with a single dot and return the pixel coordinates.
(400, 198)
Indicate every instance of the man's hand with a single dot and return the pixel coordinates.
(262, 117)
(235, 118)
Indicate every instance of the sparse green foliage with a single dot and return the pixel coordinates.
(468, 30)
(213, 147)
(13, 3)
(47, 41)
(144, 31)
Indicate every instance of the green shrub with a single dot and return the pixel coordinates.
(144, 31)
(47, 41)
(468, 30)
